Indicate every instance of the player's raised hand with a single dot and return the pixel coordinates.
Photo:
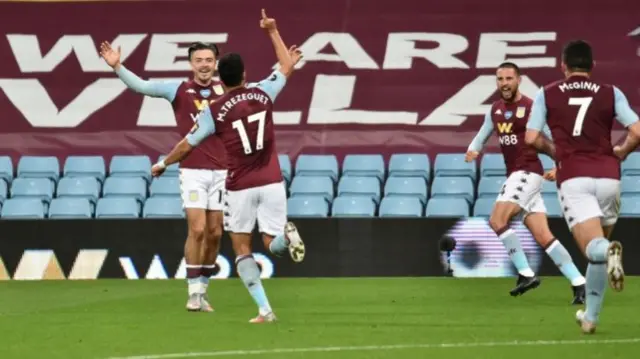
(471, 155)
(109, 54)
(617, 150)
(295, 54)
(267, 23)
(550, 175)
(157, 170)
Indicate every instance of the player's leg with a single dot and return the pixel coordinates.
(608, 194)
(239, 220)
(278, 235)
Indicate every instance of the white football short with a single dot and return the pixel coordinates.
(202, 188)
(265, 204)
(583, 198)
(524, 189)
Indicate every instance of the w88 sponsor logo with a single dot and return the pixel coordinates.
(508, 140)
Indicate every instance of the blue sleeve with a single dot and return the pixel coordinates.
(547, 131)
(273, 84)
(203, 128)
(164, 89)
(624, 114)
(538, 117)
(483, 134)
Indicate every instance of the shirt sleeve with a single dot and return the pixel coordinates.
(538, 117)
(547, 131)
(203, 128)
(273, 84)
(624, 113)
(483, 134)
(163, 89)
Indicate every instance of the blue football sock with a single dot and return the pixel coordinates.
(250, 275)
(512, 243)
(562, 259)
(279, 245)
(596, 277)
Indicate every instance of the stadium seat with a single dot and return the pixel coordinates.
(453, 165)
(401, 207)
(130, 166)
(349, 206)
(631, 165)
(410, 165)
(4, 191)
(307, 206)
(22, 208)
(317, 165)
(453, 187)
(85, 166)
(549, 188)
(285, 167)
(364, 166)
(63, 208)
(552, 203)
(447, 207)
(170, 171)
(125, 187)
(492, 164)
(630, 185)
(117, 208)
(406, 187)
(368, 187)
(165, 187)
(41, 188)
(79, 187)
(163, 207)
(490, 187)
(547, 162)
(630, 206)
(483, 207)
(39, 166)
(311, 185)
(6, 169)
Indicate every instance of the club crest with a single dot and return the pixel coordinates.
(218, 90)
(521, 112)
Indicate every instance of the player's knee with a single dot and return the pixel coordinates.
(197, 233)
(497, 222)
(214, 234)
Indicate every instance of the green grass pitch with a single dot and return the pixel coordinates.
(318, 318)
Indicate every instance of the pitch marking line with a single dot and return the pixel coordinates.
(381, 347)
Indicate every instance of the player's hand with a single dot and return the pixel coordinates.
(617, 150)
(550, 175)
(157, 170)
(110, 55)
(295, 54)
(267, 23)
(471, 155)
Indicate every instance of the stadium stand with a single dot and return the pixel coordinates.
(364, 166)
(6, 169)
(401, 207)
(39, 167)
(67, 208)
(410, 165)
(163, 207)
(317, 165)
(367, 187)
(308, 206)
(312, 186)
(350, 206)
(85, 166)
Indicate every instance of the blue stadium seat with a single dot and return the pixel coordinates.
(490, 187)
(631, 165)
(483, 207)
(39, 166)
(63, 208)
(85, 166)
(171, 171)
(364, 166)
(552, 203)
(41, 188)
(130, 166)
(410, 165)
(22, 208)
(165, 187)
(125, 187)
(547, 162)
(317, 165)
(79, 187)
(285, 167)
(447, 207)
(453, 165)
(401, 207)
(4, 191)
(312, 185)
(630, 185)
(492, 164)
(549, 188)
(6, 169)
(630, 206)
(406, 187)
(349, 206)
(117, 208)
(368, 187)
(163, 207)
(453, 187)
(307, 206)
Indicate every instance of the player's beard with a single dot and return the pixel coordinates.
(204, 77)
(511, 93)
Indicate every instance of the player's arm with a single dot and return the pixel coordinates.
(481, 138)
(536, 124)
(285, 59)
(629, 119)
(163, 89)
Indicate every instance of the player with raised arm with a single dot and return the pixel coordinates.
(202, 173)
(243, 120)
(580, 113)
(520, 194)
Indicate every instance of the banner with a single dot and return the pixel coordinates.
(153, 249)
(378, 77)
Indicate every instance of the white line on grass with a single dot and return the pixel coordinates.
(382, 347)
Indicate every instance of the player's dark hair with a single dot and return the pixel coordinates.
(202, 46)
(510, 65)
(578, 56)
(231, 69)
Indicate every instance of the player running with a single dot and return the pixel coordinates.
(202, 173)
(242, 119)
(520, 194)
(580, 113)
